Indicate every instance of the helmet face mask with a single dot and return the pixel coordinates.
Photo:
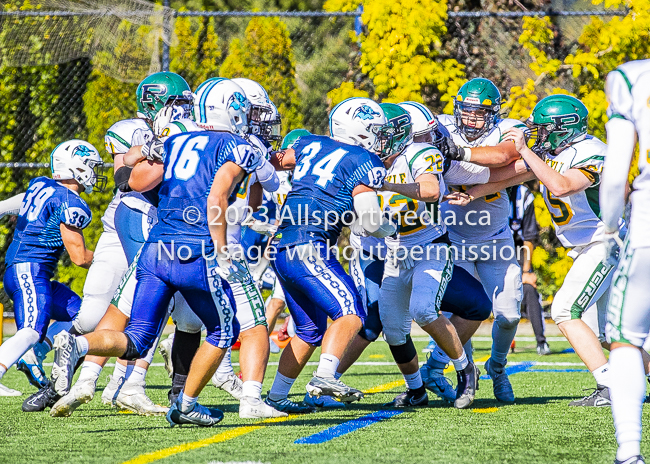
(397, 134)
(476, 107)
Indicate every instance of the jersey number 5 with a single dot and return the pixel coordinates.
(323, 169)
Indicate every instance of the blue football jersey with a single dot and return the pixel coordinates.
(191, 162)
(37, 238)
(325, 175)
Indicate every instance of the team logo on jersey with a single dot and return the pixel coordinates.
(151, 91)
(365, 112)
(560, 121)
(82, 150)
(237, 101)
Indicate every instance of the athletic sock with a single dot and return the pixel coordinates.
(281, 387)
(252, 389)
(186, 402)
(3, 370)
(82, 345)
(502, 338)
(327, 365)
(184, 348)
(89, 371)
(225, 368)
(119, 372)
(602, 375)
(627, 392)
(137, 375)
(413, 381)
(460, 363)
(469, 350)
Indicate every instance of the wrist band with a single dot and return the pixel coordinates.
(467, 154)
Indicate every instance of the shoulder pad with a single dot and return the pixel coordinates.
(124, 134)
(179, 127)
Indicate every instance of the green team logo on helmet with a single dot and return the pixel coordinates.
(160, 90)
(397, 133)
(556, 122)
(476, 107)
(292, 137)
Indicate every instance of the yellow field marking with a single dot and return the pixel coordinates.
(485, 410)
(385, 387)
(376, 356)
(483, 359)
(219, 438)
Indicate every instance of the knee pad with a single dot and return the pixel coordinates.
(372, 324)
(507, 322)
(403, 353)
(88, 317)
(132, 352)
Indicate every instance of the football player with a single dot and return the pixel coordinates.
(216, 162)
(476, 123)
(628, 318)
(569, 163)
(51, 218)
(332, 177)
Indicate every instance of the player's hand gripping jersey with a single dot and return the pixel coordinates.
(497, 205)
(577, 217)
(325, 175)
(37, 238)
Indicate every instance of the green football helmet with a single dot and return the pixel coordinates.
(480, 100)
(397, 133)
(160, 90)
(556, 122)
(292, 136)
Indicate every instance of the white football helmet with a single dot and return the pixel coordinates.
(263, 113)
(357, 121)
(77, 159)
(424, 121)
(221, 105)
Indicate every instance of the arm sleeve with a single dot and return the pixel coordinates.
(529, 228)
(463, 173)
(366, 205)
(121, 178)
(267, 176)
(11, 206)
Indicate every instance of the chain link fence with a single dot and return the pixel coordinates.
(298, 57)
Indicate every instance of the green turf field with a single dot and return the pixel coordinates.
(538, 428)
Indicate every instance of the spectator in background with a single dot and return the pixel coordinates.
(526, 232)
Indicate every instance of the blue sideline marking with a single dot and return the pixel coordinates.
(568, 350)
(346, 427)
(559, 370)
(523, 367)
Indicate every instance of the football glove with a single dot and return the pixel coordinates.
(154, 150)
(613, 246)
(452, 151)
(261, 227)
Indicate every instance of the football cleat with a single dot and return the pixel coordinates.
(500, 382)
(466, 390)
(232, 385)
(66, 355)
(543, 349)
(6, 391)
(324, 401)
(324, 386)
(288, 406)
(199, 415)
(30, 365)
(255, 408)
(638, 459)
(410, 399)
(599, 398)
(109, 395)
(435, 381)
(80, 393)
(44, 398)
(131, 397)
(430, 347)
(165, 349)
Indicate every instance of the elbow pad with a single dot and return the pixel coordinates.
(371, 218)
(121, 178)
(11, 206)
(267, 176)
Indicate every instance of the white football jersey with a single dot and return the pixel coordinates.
(628, 92)
(118, 139)
(179, 127)
(280, 195)
(576, 217)
(417, 221)
(470, 223)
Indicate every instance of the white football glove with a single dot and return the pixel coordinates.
(357, 229)
(613, 247)
(232, 270)
(154, 150)
(165, 116)
(261, 227)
